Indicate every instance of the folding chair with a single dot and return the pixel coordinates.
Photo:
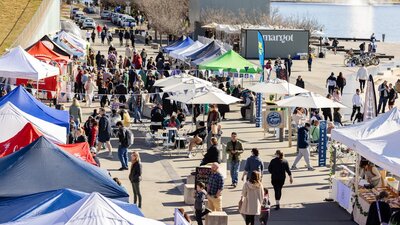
(170, 141)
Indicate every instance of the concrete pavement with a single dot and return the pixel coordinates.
(163, 176)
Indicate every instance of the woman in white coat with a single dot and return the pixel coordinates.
(252, 198)
(90, 86)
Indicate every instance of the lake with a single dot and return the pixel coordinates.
(349, 20)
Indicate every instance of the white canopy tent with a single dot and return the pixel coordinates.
(277, 86)
(17, 63)
(94, 209)
(182, 52)
(383, 125)
(191, 84)
(12, 120)
(191, 94)
(309, 100)
(172, 80)
(77, 41)
(213, 97)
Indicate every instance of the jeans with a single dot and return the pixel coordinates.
(249, 219)
(264, 218)
(362, 84)
(143, 62)
(199, 216)
(137, 196)
(382, 103)
(234, 171)
(355, 108)
(303, 152)
(278, 185)
(123, 156)
(331, 89)
(137, 114)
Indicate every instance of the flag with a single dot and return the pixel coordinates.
(261, 50)
(370, 109)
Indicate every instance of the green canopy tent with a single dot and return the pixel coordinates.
(230, 62)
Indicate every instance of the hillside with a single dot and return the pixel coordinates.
(14, 16)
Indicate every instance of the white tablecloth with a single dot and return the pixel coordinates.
(342, 194)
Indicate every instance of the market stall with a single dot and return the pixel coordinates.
(375, 141)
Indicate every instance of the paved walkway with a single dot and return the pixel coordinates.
(303, 201)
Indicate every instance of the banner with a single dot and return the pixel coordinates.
(179, 219)
(259, 96)
(323, 143)
(370, 109)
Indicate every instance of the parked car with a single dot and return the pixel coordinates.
(115, 17)
(89, 10)
(73, 11)
(81, 19)
(105, 14)
(129, 22)
(89, 24)
(121, 19)
(78, 15)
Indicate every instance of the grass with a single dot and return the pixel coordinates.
(12, 13)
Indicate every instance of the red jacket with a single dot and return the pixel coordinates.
(137, 61)
(93, 136)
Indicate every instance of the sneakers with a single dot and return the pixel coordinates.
(122, 168)
(189, 155)
(293, 168)
(277, 207)
(207, 211)
(311, 169)
(234, 185)
(110, 155)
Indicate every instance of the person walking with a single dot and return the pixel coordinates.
(362, 76)
(331, 83)
(379, 211)
(337, 117)
(93, 36)
(75, 111)
(127, 37)
(99, 29)
(105, 131)
(143, 54)
(392, 96)
(309, 61)
(121, 38)
(303, 146)
(340, 82)
(278, 167)
(252, 198)
(357, 104)
(327, 112)
(199, 204)
(214, 188)
(234, 148)
(288, 64)
(253, 163)
(103, 36)
(213, 118)
(90, 86)
(383, 96)
(123, 136)
(135, 176)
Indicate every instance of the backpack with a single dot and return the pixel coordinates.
(129, 138)
(344, 81)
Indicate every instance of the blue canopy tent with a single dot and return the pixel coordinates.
(176, 43)
(202, 51)
(24, 101)
(42, 166)
(210, 55)
(187, 42)
(19, 208)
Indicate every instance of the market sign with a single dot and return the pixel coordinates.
(273, 119)
(323, 143)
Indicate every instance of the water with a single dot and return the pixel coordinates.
(349, 20)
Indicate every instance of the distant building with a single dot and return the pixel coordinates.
(248, 6)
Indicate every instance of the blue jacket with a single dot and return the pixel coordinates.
(302, 138)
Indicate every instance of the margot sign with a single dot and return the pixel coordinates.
(273, 119)
(279, 38)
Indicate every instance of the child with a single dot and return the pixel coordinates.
(265, 208)
(199, 206)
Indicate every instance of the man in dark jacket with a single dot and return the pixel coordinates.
(212, 154)
(253, 163)
(127, 37)
(105, 131)
(234, 148)
(157, 118)
(121, 37)
(123, 146)
(303, 146)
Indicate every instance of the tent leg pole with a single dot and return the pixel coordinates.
(37, 89)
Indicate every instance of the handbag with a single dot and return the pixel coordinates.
(379, 214)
